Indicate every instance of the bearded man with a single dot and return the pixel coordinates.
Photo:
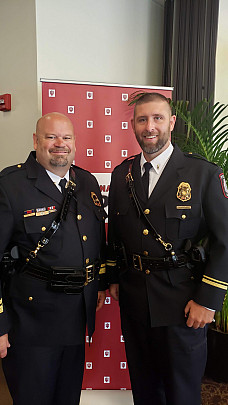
(51, 213)
(162, 202)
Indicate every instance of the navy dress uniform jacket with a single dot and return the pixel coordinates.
(161, 296)
(29, 201)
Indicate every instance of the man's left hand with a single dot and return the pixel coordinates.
(198, 316)
(100, 299)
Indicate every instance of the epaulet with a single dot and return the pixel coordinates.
(197, 156)
(129, 158)
(11, 169)
(80, 168)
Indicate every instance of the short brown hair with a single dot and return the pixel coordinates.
(147, 97)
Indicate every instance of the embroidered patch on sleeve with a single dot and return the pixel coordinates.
(95, 199)
(224, 185)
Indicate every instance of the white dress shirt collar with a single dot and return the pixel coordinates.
(56, 179)
(159, 162)
(158, 165)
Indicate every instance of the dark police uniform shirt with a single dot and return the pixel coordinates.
(29, 201)
(189, 201)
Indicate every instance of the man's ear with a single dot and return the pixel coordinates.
(35, 141)
(172, 122)
(133, 124)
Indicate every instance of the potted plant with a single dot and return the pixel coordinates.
(206, 133)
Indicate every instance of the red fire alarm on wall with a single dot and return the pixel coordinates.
(5, 102)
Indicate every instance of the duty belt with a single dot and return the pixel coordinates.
(70, 280)
(147, 264)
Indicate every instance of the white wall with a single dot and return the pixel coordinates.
(221, 82)
(112, 41)
(18, 77)
(115, 41)
(109, 41)
(221, 75)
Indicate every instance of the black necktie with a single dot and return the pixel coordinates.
(62, 184)
(145, 177)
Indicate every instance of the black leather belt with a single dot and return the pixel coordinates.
(148, 263)
(70, 280)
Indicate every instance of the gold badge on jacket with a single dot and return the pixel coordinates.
(184, 191)
(95, 199)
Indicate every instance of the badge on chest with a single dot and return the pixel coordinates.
(184, 191)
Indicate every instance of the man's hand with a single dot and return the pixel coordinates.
(100, 299)
(198, 316)
(114, 291)
(4, 344)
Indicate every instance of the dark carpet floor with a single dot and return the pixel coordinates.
(213, 393)
(5, 398)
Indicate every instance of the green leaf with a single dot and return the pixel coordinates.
(206, 133)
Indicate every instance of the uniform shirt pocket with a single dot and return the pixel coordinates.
(182, 223)
(180, 276)
(29, 294)
(38, 224)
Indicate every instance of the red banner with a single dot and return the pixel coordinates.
(101, 118)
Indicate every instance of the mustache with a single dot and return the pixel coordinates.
(148, 133)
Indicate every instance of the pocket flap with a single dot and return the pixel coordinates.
(183, 212)
(38, 224)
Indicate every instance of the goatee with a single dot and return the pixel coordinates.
(59, 161)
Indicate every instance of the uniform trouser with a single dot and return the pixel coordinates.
(166, 364)
(44, 375)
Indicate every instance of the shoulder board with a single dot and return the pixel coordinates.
(129, 159)
(11, 169)
(126, 162)
(197, 156)
(80, 168)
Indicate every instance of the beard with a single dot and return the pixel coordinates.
(59, 161)
(150, 149)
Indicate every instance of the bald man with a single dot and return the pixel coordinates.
(52, 212)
